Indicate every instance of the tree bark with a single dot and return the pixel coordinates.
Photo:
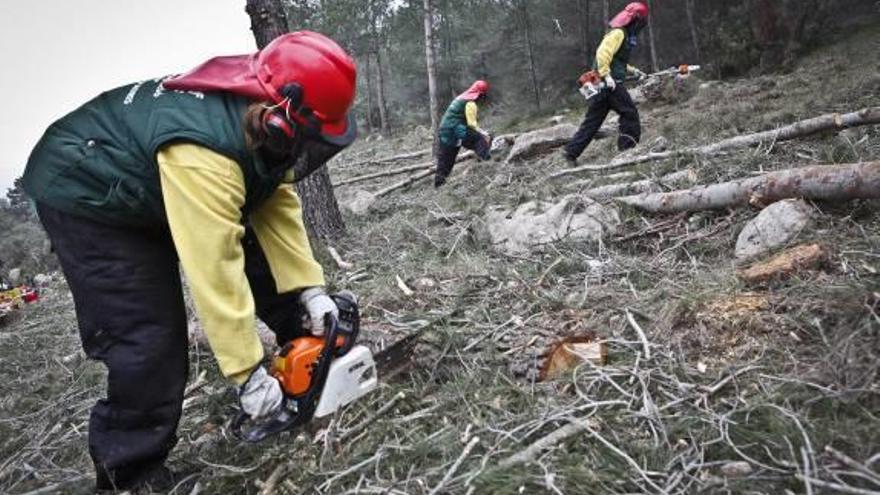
(606, 17)
(669, 181)
(527, 29)
(823, 182)
(321, 213)
(651, 17)
(369, 96)
(803, 128)
(585, 30)
(380, 85)
(431, 66)
(689, 8)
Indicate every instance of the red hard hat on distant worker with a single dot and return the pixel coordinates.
(478, 88)
(324, 72)
(635, 10)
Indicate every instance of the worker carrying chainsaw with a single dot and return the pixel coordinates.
(195, 169)
(460, 127)
(610, 71)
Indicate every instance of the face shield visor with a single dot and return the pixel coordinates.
(300, 142)
(314, 149)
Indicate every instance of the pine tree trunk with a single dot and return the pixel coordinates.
(654, 64)
(689, 7)
(527, 28)
(380, 83)
(369, 96)
(320, 211)
(606, 17)
(585, 31)
(431, 66)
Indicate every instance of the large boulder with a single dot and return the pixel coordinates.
(537, 222)
(358, 202)
(776, 226)
(541, 141)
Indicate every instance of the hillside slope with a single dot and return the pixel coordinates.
(733, 388)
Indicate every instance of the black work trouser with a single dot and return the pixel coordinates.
(127, 291)
(446, 154)
(630, 130)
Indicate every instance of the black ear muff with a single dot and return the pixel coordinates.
(277, 124)
(293, 92)
(280, 137)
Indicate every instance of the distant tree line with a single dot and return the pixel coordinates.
(532, 50)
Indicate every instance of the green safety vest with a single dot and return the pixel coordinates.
(453, 127)
(99, 161)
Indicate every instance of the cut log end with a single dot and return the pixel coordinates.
(786, 264)
(572, 352)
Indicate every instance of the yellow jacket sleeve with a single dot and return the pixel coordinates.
(278, 224)
(470, 113)
(203, 193)
(611, 43)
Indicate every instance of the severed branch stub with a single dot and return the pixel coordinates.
(338, 259)
(531, 452)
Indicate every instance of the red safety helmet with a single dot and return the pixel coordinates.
(633, 11)
(478, 88)
(306, 73)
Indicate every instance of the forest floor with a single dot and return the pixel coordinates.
(738, 389)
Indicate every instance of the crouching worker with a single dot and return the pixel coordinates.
(459, 127)
(171, 170)
(612, 64)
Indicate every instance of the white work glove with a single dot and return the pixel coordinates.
(610, 83)
(261, 394)
(317, 304)
(640, 76)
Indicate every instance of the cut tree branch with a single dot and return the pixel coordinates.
(803, 128)
(821, 182)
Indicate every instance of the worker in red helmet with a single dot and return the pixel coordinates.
(169, 172)
(612, 65)
(460, 127)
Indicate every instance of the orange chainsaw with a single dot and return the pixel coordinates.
(318, 375)
(590, 83)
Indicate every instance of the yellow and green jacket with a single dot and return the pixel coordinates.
(143, 156)
(459, 116)
(612, 56)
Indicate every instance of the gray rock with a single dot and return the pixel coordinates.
(15, 276)
(538, 222)
(541, 141)
(359, 202)
(774, 227)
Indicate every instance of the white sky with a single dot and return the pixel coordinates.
(58, 54)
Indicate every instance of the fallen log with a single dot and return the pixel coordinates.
(803, 128)
(386, 173)
(387, 159)
(666, 182)
(821, 182)
(467, 155)
(406, 182)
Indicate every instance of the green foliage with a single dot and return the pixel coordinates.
(23, 243)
